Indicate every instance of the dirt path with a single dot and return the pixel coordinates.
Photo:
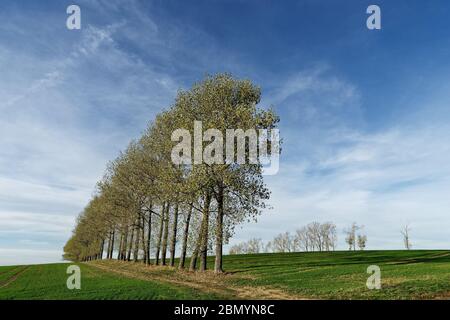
(207, 282)
(9, 270)
(13, 278)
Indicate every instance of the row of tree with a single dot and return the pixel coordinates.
(148, 208)
(315, 236)
(354, 237)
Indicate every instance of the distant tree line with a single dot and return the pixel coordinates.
(315, 236)
(147, 208)
(248, 247)
(354, 238)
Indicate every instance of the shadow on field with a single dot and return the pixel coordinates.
(243, 263)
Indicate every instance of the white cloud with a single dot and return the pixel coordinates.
(66, 114)
(71, 103)
(33, 222)
(28, 256)
(384, 179)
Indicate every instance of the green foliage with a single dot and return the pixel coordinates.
(143, 180)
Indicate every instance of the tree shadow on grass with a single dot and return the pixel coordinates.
(296, 260)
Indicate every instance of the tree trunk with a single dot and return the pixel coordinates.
(131, 245)
(166, 235)
(185, 239)
(149, 235)
(102, 248)
(161, 226)
(120, 246)
(174, 236)
(195, 253)
(204, 233)
(108, 250)
(112, 244)
(143, 239)
(219, 231)
(123, 253)
(136, 243)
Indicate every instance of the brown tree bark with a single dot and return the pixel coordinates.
(108, 250)
(131, 245)
(204, 233)
(174, 236)
(195, 253)
(136, 246)
(144, 248)
(137, 238)
(185, 239)
(219, 231)
(165, 236)
(102, 248)
(149, 235)
(161, 226)
(112, 244)
(120, 246)
(123, 253)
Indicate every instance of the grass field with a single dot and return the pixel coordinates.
(414, 274)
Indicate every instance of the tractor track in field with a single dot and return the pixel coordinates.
(206, 282)
(6, 271)
(13, 278)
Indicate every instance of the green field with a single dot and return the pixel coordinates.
(414, 274)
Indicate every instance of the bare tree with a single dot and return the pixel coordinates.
(351, 236)
(316, 236)
(236, 249)
(284, 242)
(362, 240)
(251, 246)
(302, 240)
(328, 236)
(268, 247)
(254, 246)
(406, 240)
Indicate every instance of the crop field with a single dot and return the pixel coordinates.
(415, 274)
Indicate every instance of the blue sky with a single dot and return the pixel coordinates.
(364, 114)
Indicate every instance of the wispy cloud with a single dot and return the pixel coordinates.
(73, 99)
(29, 256)
(382, 179)
(70, 100)
(64, 116)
